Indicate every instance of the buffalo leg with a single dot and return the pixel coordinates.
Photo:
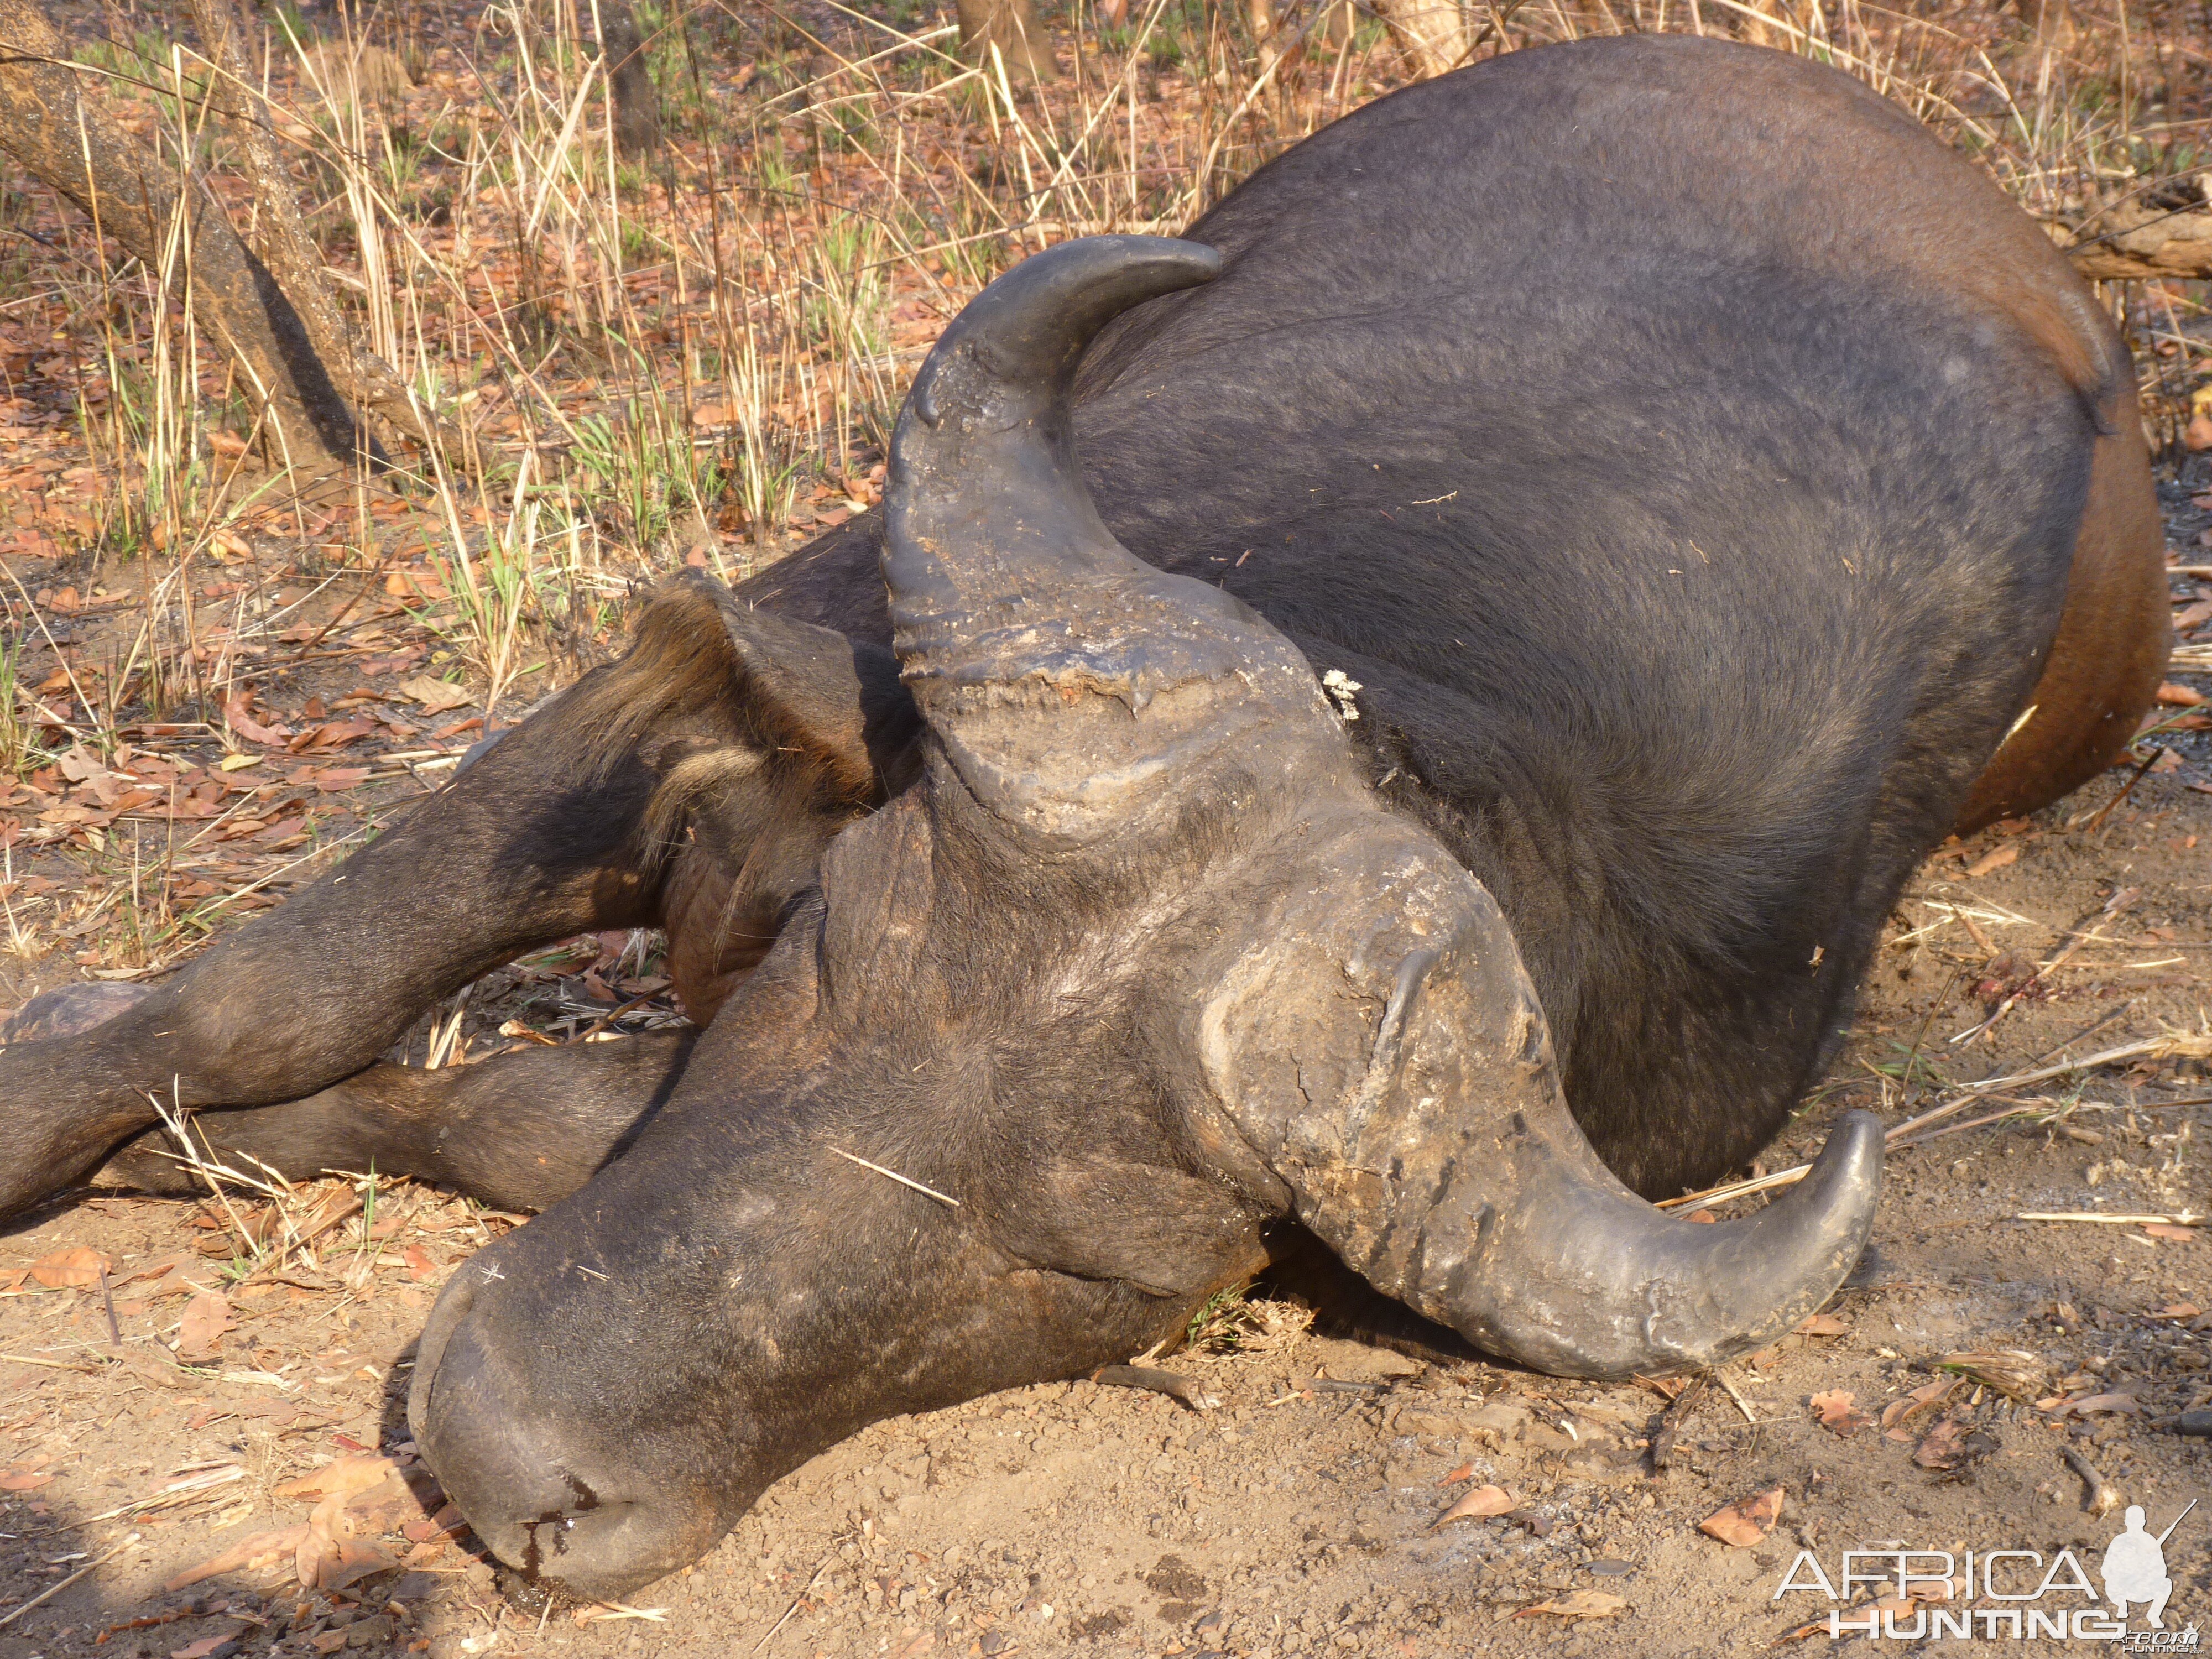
(518, 1131)
(547, 835)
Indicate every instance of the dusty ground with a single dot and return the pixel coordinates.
(1299, 1517)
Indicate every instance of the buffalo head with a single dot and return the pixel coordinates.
(1136, 964)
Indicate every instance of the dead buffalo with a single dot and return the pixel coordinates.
(1609, 512)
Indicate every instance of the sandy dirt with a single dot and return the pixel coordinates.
(1300, 1516)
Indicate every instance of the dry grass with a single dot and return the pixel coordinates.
(691, 359)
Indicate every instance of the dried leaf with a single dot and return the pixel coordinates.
(2179, 1311)
(1480, 1502)
(22, 1479)
(1744, 1522)
(392, 1504)
(207, 1317)
(262, 1548)
(327, 1529)
(159, 1266)
(2084, 1405)
(1940, 1448)
(435, 695)
(1896, 1415)
(2168, 1231)
(1579, 1604)
(353, 1560)
(1464, 1471)
(1834, 1411)
(1996, 859)
(238, 712)
(340, 1479)
(64, 1268)
(199, 1649)
(1822, 1325)
(419, 1264)
(159, 1373)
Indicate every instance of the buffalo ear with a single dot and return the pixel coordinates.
(806, 687)
(1098, 1216)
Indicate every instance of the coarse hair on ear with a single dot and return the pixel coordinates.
(742, 681)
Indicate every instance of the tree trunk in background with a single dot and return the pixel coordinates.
(74, 147)
(290, 253)
(637, 106)
(1431, 33)
(1014, 27)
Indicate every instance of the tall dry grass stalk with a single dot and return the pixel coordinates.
(676, 358)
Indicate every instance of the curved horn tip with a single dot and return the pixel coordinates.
(1843, 1184)
(1031, 324)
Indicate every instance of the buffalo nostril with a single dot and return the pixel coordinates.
(547, 1538)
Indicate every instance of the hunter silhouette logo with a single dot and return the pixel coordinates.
(2002, 1595)
(2135, 1567)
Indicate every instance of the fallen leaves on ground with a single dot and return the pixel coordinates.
(207, 1317)
(258, 1552)
(1482, 1501)
(1835, 1411)
(2086, 1405)
(1579, 1604)
(1822, 1325)
(340, 1479)
(1892, 1607)
(435, 695)
(1941, 1447)
(1925, 1398)
(65, 1269)
(164, 1275)
(332, 1550)
(2167, 1230)
(238, 711)
(1996, 859)
(1741, 1524)
(20, 1479)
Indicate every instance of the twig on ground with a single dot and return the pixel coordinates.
(2101, 1496)
(795, 1600)
(1671, 1420)
(2179, 1218)
(1728, 1389)
(52, 1590)
(2082, 933)
(2158, 1048)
